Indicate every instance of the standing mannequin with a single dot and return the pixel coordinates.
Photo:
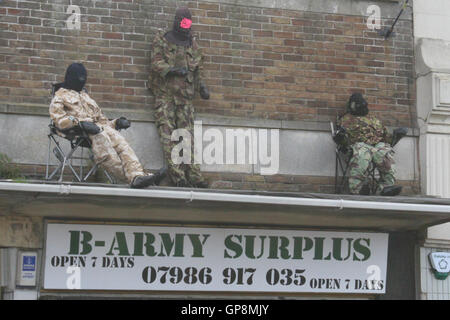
(176, 64)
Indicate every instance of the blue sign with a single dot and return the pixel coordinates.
(29, 263)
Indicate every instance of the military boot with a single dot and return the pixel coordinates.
(391, 191)
(183, 184)
(159, 176)
(365, 190)
(201, 184)
(140, 182)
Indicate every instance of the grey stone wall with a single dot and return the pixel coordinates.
(307, 150)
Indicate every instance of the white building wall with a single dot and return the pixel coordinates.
(432, 21)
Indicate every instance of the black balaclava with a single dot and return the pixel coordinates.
(357, 105)
(181, 32)
(76, 76)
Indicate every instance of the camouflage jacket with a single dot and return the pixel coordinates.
(367, 129)
(165, 56)
(69, 107)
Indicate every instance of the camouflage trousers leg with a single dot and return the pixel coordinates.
(185, 119)
(113, 153)
(165, 117)
(170, 117)
(359, 166)
(363, 156)
(383, 158)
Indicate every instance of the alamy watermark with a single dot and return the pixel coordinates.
(374, 19)
(74, 20)
(73, 281)
(229, 147)
(374, 281)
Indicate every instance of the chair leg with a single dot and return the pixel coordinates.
(48, 157)
(47, 176)
(55, 171)
(62, 171)
(344, 169)
(111, 179)
(74, 172)
(65, 162)
(61, 161)
(94, 170)
(345, 175)
(69, 156)
(340, 185)
(82, 163)
(336, 175)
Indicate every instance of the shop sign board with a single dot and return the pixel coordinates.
(168, 258)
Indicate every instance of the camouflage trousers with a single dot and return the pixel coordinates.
(364, 155)
(113, 153)
(170, 116)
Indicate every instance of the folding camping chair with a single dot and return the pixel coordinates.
(78, 140)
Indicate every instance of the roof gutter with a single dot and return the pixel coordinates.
(191, 195)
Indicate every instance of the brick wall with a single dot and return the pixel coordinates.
(288, 183)
(260, 63)
(235, 181)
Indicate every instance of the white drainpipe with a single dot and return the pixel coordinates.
(223, 197)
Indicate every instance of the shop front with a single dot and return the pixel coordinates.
(100, 241)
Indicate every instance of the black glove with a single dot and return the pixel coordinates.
(340, 137)
(204, 92)
(398, 134)
(122, 123)
(180, 72)
(89, 127)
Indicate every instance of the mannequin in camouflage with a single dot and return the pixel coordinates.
(176, 64)
(370, 142)
(72, 106)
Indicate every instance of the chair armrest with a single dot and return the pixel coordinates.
(69, 134)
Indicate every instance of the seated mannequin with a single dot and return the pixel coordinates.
(370, 142)
(71, 106)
